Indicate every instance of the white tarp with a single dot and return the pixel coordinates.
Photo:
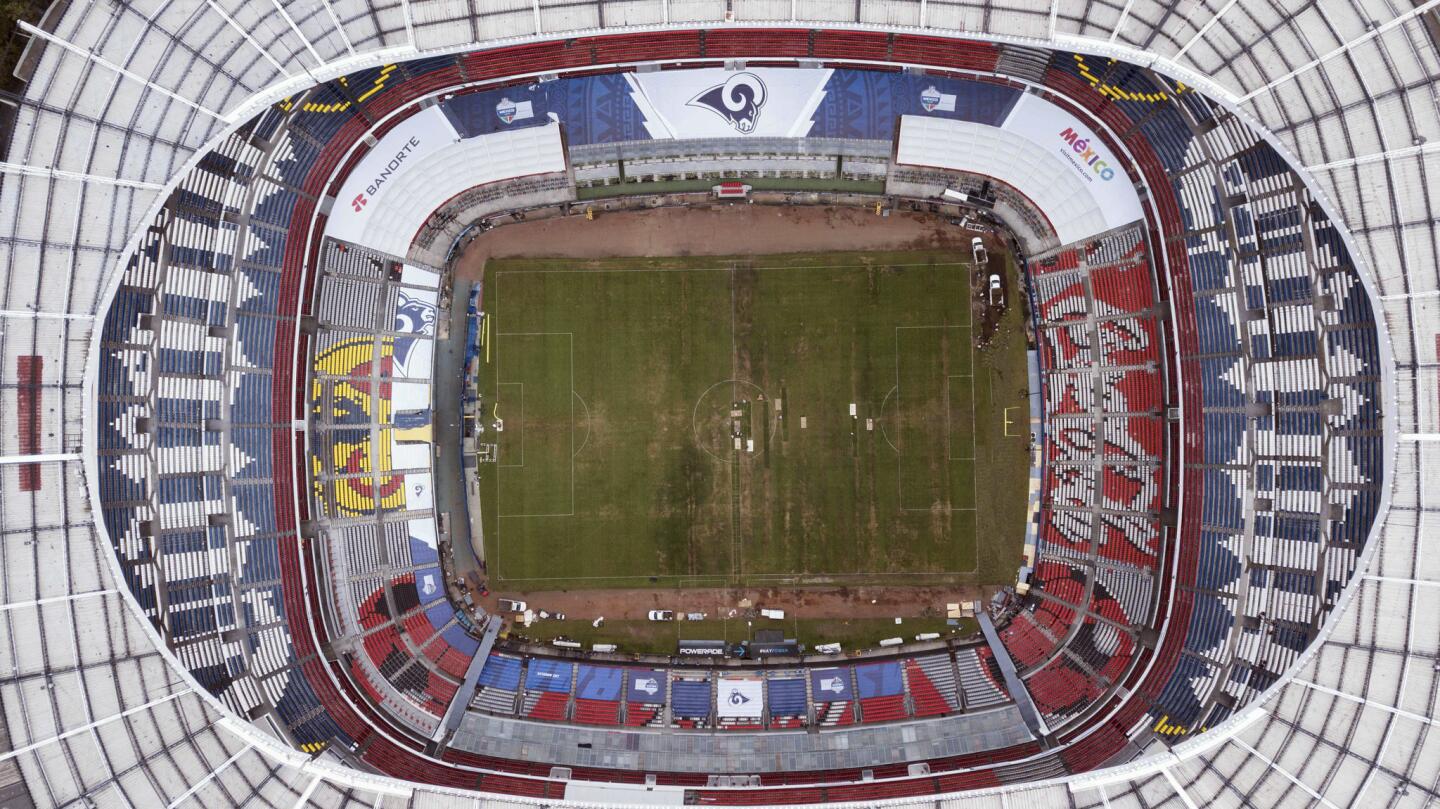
(419, 276)
(717, 103)
(409, 396)
(372, 183)
(409, 454)
(424, 531)
(1041, 151)
(413, 358)
(435, 167)
(740, 698)
(1062, 134)
(418, 492)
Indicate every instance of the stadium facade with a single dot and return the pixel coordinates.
(221, 317)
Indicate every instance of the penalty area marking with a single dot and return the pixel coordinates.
(899, 467)
(570, 336)
(521, 385)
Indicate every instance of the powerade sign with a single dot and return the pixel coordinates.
(386, 172)
(702, 648)
(1086, 156)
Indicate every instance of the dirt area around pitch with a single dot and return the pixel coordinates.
(717, 230)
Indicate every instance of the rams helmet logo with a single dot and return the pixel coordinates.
(738, 101)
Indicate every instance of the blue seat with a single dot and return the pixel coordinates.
(879, 679)
(460, 640)
(501, 671)
(598, 682)
(786, 697)
(545, 674)
(690, 698)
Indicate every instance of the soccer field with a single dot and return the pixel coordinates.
(762, 420)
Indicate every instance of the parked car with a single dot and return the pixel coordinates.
(977, 249)
(506, 605)
(662, 615)
(997, 290)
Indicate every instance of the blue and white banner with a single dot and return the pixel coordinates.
(715, 103)
(740, 698)
(831, 685)
(709, 102)
(645, 686)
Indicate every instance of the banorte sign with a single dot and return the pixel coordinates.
(1088, 157)
(373, 187)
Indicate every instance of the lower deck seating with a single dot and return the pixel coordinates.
(596, 712)
(644, 714)
(499, 684)
(546, 705)
(979, 684)
(931, 682)
(597, 694)
(691, 702)
(834, 714)
(883, 709)
(786, 701)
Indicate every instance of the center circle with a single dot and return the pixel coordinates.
(733, 418)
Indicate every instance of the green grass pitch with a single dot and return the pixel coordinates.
(689, 422)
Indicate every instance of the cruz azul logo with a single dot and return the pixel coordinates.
(738, 101)
(1089, 158)
(930, 98)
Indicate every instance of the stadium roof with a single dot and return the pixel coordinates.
(122, 100)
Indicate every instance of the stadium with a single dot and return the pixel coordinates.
(719, 402)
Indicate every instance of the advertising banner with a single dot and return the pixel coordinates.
(1041, 151)
(645, 686)
(702, 648)
(740, 698)
(374, 178)
(831, 685)
(716, 103)
(1084, 155)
